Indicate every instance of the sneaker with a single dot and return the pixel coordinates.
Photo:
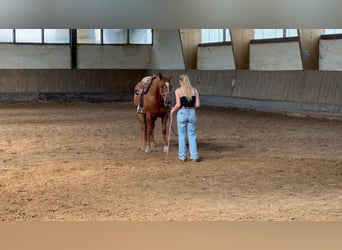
(195, 160)
(182, 160)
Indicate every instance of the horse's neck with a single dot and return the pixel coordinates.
(154, 88)
(154, 94)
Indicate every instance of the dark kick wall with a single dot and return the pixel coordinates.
(308, 92)
(83, 84)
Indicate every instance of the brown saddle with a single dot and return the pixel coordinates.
(142, 88)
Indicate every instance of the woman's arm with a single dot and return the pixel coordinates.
(178, 104)
(197, 103)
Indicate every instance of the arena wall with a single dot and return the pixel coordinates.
(109, 73)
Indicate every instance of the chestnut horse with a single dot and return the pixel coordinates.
(156, 102)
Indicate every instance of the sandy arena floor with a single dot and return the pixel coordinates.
(80, 162)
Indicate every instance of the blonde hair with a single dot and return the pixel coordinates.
(188, 90)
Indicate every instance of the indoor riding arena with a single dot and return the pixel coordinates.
(269, 129)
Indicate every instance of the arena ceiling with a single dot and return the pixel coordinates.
(170, 14)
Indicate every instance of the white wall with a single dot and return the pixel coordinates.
(330, 55)
(275, 56)
(215, 58)
(14, 56)
(167, 50)
(165, 53)
(113, 57)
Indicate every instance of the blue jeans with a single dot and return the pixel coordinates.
(186, 125)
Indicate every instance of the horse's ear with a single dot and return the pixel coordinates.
(160, 76)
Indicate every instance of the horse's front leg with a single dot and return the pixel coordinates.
(149, 131)
(164, 130)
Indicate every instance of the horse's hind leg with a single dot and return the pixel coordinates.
(150, 120)
(153, 144)
(141, 119)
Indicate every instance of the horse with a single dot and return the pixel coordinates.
(154, 95)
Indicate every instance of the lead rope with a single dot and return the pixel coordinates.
(168, 140)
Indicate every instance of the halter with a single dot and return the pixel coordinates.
(168, 89)
(167, 102)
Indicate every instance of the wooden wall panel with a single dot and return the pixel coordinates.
(265, 85)
(240, 41)
(190, 39)
(8, 80)
(310, 87)
(309, 44)
(212, 82)
(60, 80)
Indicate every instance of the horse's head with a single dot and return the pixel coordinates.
(165, 88)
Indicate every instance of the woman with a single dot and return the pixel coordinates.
(187, 101)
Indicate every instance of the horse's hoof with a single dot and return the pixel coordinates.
(166, 149)
(147, 150)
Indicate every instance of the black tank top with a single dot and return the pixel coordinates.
(188, 104)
